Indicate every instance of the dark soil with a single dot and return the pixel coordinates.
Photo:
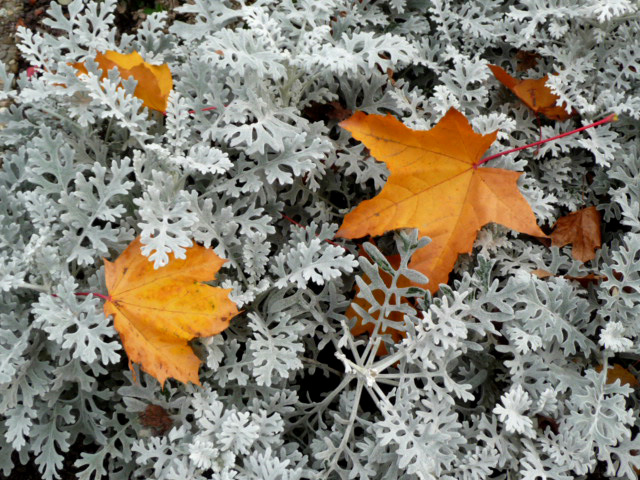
(128, 15)
(30, 470)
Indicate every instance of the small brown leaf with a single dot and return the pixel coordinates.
(526, 60)
(540, 273)
(618, 372)
(585, 280)
(534, 93)
(157, 419)
(582, 230)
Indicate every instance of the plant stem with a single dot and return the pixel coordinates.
(109, 128)
(192, 112)
(37, 288)
(347, 433)
(321, 365)
(611, 118)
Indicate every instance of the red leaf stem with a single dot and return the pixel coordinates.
(84, 294)
(104, 297)
(192, 112)
(611, 118)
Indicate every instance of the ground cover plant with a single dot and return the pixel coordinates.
(249, 189)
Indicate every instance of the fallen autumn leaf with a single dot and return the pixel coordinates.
(157, 312)
(435, 186)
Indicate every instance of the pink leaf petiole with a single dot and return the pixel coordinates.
(611, 118)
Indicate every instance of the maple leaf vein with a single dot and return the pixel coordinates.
(141, 285)
(425, 189)
(416, 147)
(160, 309)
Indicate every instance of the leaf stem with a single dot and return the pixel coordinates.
(611, 118)
(104, 297)
(193, 112)
(43, 289)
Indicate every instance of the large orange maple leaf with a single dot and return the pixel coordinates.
(157, 312)
(436, 186)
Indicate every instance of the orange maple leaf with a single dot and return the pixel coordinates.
(154, 81)
(534, 93)
(435, 185)
(157, 312)
(582, 230)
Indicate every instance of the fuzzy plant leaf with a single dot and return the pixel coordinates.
(435, 186)
(158, 311)
(534, 93)
(582, 230)
(154, 81)
(387, 265)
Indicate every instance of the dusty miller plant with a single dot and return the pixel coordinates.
(497, 373)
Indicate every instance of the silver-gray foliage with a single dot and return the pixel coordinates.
(497, 375)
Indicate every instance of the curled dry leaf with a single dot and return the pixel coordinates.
(541, 273)
(526, 60)
(154, 81)
(316, 111)
(157, 312)
(436, 186)
(582, 230)
(156, 418)
(534, 93)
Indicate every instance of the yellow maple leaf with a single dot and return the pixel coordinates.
(436, 186)
(157, 312)
(154, 81)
